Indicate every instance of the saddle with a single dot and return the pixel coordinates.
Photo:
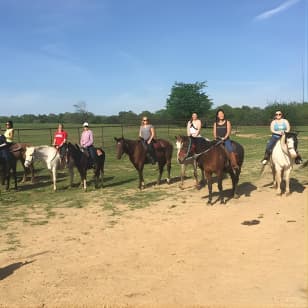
(15, 147)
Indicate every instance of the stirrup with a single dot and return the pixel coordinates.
(264, 161)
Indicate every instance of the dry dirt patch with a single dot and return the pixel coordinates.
(249, 252)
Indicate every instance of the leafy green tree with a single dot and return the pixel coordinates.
(186, 98)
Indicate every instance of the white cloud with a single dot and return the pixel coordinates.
(282, 7)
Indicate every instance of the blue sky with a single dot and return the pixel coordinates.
(121, 55)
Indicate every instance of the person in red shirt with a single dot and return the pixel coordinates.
(60, 137)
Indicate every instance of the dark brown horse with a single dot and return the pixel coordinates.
(19, 152)
(137, 154)
(212, 157)
(79, 158)
(6, 168)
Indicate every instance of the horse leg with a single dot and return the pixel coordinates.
(160, 168)
(168, 170)
(287, 177)
(85, 181)
(183, 167)
(278, 181)
(14, 174)
(54, 178)
(8, 177)
(141, 180)
(71, 173)
(209, 186)
(219, 184)
(235, 179)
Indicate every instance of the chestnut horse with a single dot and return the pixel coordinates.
(19, 152)
(212, 157)
(137, 155)
(185, 163)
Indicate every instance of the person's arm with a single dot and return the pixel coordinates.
(82, 141)
(152, 130)
(64, 138)
(214, 131)
(188, 128)
(140, 132)
(11, 134)
(288, 125)
(199, 125)
(229, 127)
(91, 138)
(272, 128)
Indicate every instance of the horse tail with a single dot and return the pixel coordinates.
(239, 150)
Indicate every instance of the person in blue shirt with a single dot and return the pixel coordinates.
(278, 127)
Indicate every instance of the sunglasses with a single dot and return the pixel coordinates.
(278, 113)
(145, 120)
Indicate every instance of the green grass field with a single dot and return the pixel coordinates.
(37, 203)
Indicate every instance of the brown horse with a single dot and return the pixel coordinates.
(19, 152)
(212, 157)
(137, 154)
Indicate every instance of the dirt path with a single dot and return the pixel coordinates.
(251, 252)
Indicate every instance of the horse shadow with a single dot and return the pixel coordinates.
(295, 185)
(42, 181)
(243, 189)
(115, 184)
(10, 269)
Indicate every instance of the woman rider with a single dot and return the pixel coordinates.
(222, 131)
(147, 134)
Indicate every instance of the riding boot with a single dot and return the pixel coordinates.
(265, 158)
(151, 154)
(233, 160)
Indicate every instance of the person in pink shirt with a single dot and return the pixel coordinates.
(87, 140)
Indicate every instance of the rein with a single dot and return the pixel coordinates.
(196, 155)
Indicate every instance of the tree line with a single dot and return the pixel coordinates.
(184, 99)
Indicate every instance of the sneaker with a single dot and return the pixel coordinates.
(298, 161)
(264, 162)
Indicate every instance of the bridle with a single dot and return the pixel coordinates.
(196, 155)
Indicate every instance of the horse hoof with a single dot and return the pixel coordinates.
(209, 203)
(236, 196)
(288, 194)
(222, 201)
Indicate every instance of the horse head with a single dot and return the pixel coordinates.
(120, 142)
(291, 143)
(183, 145)
(29, 156)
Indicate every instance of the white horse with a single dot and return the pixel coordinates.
(282, 160)
(49, 155)
(189, 161)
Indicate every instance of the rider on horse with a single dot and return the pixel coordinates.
(278, 127)
(60, 138)
(86, 141)
(4, 148)
(147, 135)
(193, 130)
(222, 131)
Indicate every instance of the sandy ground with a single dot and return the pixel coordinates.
(251, 252)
